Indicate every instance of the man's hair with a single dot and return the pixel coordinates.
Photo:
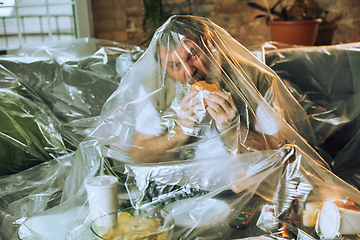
(193, 28)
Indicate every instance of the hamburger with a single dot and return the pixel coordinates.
(203, 85)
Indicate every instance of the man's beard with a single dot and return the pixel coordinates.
(211, 75)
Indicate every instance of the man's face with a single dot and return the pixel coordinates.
(188, 63)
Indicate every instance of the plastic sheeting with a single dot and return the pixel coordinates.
(325, 81)
(204, 157)
(50, 95)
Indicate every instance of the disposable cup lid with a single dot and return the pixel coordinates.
(329, 220)
(102, 181)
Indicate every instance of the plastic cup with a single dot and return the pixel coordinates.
(102, 195)
(334, 221)
(350, 221)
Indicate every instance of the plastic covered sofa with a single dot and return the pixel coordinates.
(50, 95)
(326, 82)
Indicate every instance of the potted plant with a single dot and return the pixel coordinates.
(154, 16)
(293, 24)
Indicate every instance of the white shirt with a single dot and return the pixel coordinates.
(149, 122)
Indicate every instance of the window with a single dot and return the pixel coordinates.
(35, 21)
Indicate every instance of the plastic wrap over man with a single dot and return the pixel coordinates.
(196, 93)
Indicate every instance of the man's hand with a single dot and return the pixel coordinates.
(189, 110)
(221, 107)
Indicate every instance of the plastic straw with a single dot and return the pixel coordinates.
(101, 166)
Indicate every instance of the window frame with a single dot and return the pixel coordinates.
(82, 16)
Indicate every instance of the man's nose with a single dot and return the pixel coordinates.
(191, 69)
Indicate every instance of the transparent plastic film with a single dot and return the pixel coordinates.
(193, 138)
(52, 95)
(196, 91)
(264, 194)
(324, 80)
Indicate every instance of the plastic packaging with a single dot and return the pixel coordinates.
(324, 80)
(51, 97)
(204, 157)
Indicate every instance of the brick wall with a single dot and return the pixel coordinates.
(121, 20)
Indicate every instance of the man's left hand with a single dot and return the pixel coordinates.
(221, 107)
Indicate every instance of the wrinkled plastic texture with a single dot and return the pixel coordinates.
(325, 81)
(51, 94)
(206, 158)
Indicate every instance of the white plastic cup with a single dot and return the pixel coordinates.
(102, 196)
(334, 220)
(350, 221)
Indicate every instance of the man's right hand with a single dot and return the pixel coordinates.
(190, 110)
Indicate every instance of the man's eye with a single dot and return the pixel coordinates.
(175, 65)
(193, 54)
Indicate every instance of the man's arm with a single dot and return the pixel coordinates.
(152, 148)
(245, 140)
(256, 142)
(221, 107)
